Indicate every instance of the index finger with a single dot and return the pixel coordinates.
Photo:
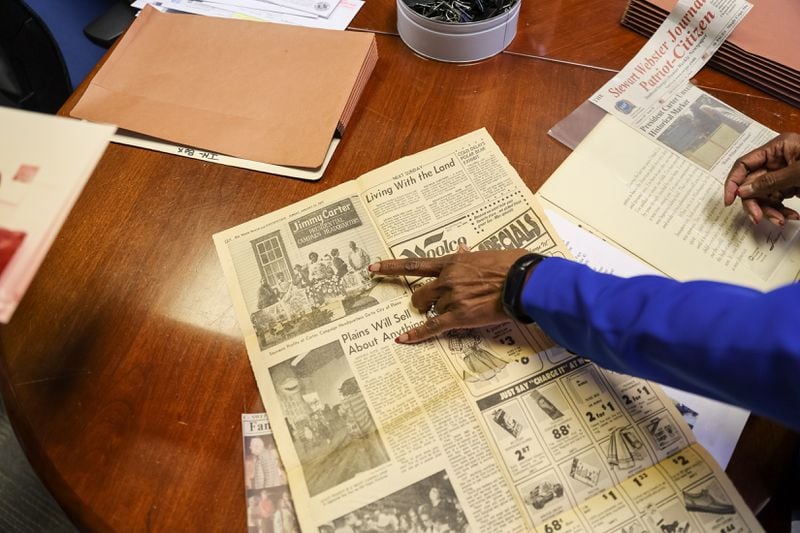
(432, 327)
(426, 267)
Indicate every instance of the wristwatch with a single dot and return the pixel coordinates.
(512, 288)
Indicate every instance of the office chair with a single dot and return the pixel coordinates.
(44, 51)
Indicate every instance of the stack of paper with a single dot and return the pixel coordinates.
(44, 164)
(263, 92)
(326, 14)
(659, 157)
(763, 51)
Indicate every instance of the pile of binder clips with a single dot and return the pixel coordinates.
(460, 10)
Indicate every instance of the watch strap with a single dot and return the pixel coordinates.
(512, 288)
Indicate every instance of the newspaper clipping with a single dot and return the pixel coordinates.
(653, 95)
(269, 503)
(659, 158)
(495, 429)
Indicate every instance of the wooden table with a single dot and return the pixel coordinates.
(124, 370)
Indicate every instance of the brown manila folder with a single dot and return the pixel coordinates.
(266, 92)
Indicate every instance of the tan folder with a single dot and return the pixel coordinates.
(267, 92)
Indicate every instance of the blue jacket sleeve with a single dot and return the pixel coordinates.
(722, 341)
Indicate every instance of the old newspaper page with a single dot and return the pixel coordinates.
(494, 429)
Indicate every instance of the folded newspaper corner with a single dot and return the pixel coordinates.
(496, 429)
(269, 502)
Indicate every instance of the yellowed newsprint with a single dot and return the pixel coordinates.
(489, 430)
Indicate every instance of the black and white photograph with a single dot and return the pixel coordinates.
(428, 506)
(670, 518)
(545, 497)
(270, 510)
(546, 404)
(708, 498)
(262, 465)
(310, 271)
(586, 473)
(543, 493)
(663, 431)
(547, 407)
(507, 422)
(705, 130)
(333, 431)
(479, 363)
(489, 358)
(625, 449)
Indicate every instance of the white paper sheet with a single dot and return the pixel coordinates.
(149, 143)
(338, 19)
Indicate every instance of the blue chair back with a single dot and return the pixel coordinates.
(44, 53)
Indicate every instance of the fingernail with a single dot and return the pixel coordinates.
(745, 190)
(752, 219)
(374, 267)
(776, 221)
(402, 339)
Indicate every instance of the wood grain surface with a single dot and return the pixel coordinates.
(124, 370)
